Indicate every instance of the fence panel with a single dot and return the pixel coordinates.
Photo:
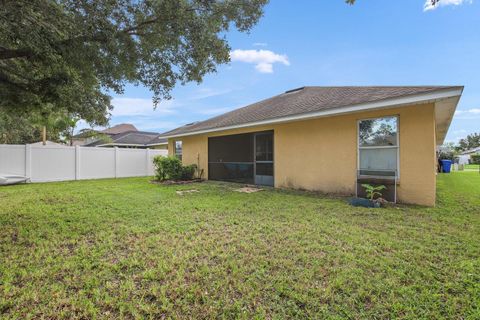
(60, 163)
(96, 163)
(12, 159)
(51, 163)
(131, 162)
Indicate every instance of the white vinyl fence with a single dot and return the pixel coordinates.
(60, 163)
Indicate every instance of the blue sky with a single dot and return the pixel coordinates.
(374, 42)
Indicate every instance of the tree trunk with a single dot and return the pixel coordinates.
(44, 135)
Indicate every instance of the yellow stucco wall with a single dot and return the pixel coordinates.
(321, 154)
(160, 147)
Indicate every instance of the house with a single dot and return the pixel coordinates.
(89, 136)
(131, 139)
(464, 157)
(326, 138)
(123, 135)
(471, 151)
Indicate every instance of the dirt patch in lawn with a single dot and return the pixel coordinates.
(248, 189)
(184, 192)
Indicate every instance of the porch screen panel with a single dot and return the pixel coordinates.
(231, 158)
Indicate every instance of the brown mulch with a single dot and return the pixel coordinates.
(175, 182)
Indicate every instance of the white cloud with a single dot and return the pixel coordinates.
(471, 111)
(263, 59)
(139, 106)
(429, 6)
(470, 114)
(260, 44)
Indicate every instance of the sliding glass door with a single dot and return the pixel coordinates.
(244, 158)
(264, 158)
(230, 158)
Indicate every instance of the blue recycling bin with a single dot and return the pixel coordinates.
(446, 165)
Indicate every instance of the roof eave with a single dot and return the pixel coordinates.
(120, 144)
(157, 144)
(383, 104)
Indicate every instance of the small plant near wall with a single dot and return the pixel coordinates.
(374, 197)
(374, 193)
(171, 169)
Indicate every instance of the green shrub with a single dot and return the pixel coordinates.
(188, 172)
(475, 159)
(446, 155)
(167, 168)
(171, 168)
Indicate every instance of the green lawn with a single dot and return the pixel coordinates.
(131, 249)
(472, 166)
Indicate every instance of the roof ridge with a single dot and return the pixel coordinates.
(308, 100)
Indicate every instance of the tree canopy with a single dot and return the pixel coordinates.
(469, 142)
(68, 55)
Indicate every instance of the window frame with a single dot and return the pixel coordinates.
(397, 147)
(179, 156)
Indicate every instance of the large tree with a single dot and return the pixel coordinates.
(469, 142)
(29, 127)
(70, 54)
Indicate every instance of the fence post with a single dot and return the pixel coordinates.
(147, 162)
(116, 162)
(77, 162)
(28, 161)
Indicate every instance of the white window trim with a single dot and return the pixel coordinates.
(397, 146)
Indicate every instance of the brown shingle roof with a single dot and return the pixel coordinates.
(139, 138)
(303, 101)
(119, 128)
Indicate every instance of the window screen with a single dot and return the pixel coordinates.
(378, 146)
(230, 158)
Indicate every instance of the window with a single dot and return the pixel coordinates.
(178, 149)
(378, 147)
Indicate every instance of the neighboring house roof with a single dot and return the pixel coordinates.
(85, 133)
(131, 138)
(116, 129)
(312, 102)
(471, 151)
(158, 140)
(120, 128)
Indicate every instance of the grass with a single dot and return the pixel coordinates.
(472, 167)
(130, 249)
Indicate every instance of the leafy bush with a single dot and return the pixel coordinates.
(167, 168)
(188, 172)
(446, 155)
(171, 168)
(475, 159)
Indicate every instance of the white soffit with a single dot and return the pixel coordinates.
(444, 111)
